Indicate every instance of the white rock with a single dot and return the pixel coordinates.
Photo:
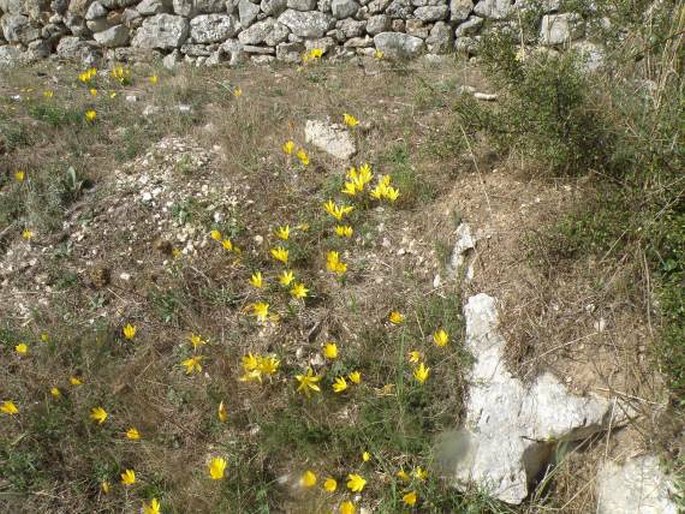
(163, 31)
(396, 45)
(558, 29)
(212, 28)
(638, 486)
(332, 138)
(247, 12)
(510, 427)
(306, 24)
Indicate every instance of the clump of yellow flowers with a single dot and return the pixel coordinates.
(121, 74)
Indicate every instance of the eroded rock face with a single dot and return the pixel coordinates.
(311, 24)
(637, 486)
(511, 428)
(331, 138)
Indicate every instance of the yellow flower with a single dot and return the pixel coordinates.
(414, 356)
(308, 382)
(421, 373)
(27, 234)
(344, 231)
(396, 317)
(22, 349)
(45, 337)
(55, 392)
(285, 278)
(256, 279)
(227, 244)
(19, 175)
(347, 507)
(192, 364)
(221, 412)
(288, 147)
(420, 473)
(91, 115)
(330, 350)
(280, 254)
(334, 264)
(403, 475)
(237, 92)
(283, 232)
(337, 211)
(48, 93)
(355, 483)
(330, 485)
(129, 331)
(87, 75)
(217, 466)
(441, 338)
(303, 157)
(299, 291)
(98, 414)
(105, 486)
(153, 507)
(410, 498)
(350, 120)
(215, 234)
(113, 94)
(75, 381)
(366, 456)
(128, 477)
(153, 79)
(312, 55)
(257, 365)
(8, 407)
(197, 341)
(93, 91)
(268, 365)
(261, 311)
(340, 384)
(391, 194)
(121, 74)
(355, 377)
(349, 189)
(308, 479)
(378, 54)
(133, 434)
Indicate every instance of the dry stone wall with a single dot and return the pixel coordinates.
(232, 31)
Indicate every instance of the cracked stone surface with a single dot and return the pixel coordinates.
(332, 138)
(511, 428)
(637, 486)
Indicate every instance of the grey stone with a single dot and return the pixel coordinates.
(261, 50)
(52, 32)
(257, 33)
(76, 24)
(400, 9)
(234, 50)
(195, 50)
(637, 486)
(431, 13)
(79, 7)
(183, 7)
(113, 37)
(302, 5)
(470, 27)
(152, 7)
(311, 24)
(172, 60)
(398, 46)
(397, 25)
(278, 35)
(592, 55)
(10, 56)
(378, 6)
(460, 10)
(324, 5)
(416, 28)
(273, 7)
(289, 52)
(211, 28)
(331, 138)
(34, 8)
(359, 42)
(38, 49)
(11, 7)
(163, 31)
(73, 48)
(263, 60)
(98, 25)
(494, 9)
(209, 6)
(559, 29)
(17, 28)
(467, 45)
(377, 24)
(511, 428)
(344, 8)
(131, 18)
(96, 10)
(59, 6)
(231, 6)
(440, 40)
(247, 12)
(351, 27)
(324, 43)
